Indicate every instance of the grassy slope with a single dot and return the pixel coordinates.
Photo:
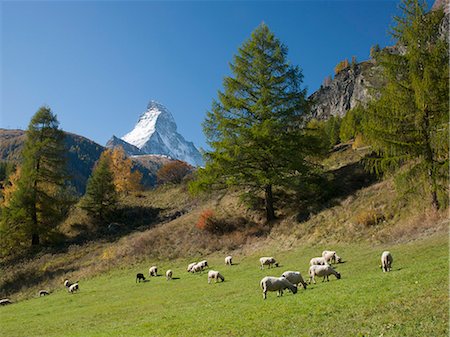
(412, 300)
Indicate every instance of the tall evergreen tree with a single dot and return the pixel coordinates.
(101, 196)
(34, 209)
(409, 123)
(253, 128)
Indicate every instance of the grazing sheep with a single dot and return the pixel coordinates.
(317, 261)
(153, 271)
(325, 271)
(169, 274)
(214, 274)
(73, 288)
(43, 293)
(228, 260)
(5, 301)
(294, 277)
(270, 283)
(140, 276)
(203, 263)
(67, 284)
(331, 256)
(268, 261)
(197, 268)
(190, 266)
(386, 261)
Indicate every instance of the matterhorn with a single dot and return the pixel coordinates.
(156, 133)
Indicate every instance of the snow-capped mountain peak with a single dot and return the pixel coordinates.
(156, 133)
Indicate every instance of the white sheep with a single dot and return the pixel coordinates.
(73, 288)
(153, 271)
(214, 274)
(190, 266)
(228, 260)
(203, 263)
(268, 261)
(5, 301)
(317, 261)
(325, 271)
(294, 277)
(386, 261)
(67, 284)
(43, 293)
(197, 268)
(331, 256)
(270, 283)
(169, 274)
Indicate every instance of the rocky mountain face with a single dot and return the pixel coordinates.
(156, 133)
(353, 85)
(82, 153)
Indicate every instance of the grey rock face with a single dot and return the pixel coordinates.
(127, 147)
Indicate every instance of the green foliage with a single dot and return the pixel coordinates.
(374, 50)
(100, 200)
(326, 132)
(6, 168)
(332, 127)
(408, 126)
(351, 123)
(254, 129)
(35, 210)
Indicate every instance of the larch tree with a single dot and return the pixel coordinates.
(254, 127)
(33, 208)
(125, 179)
(101, 197)
(408, 126)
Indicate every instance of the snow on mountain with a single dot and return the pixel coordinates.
(156, 133)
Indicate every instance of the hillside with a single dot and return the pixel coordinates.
(82, 153)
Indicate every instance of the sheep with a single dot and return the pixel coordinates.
(317, 261)
(203, 263)
(386, 261)
(190, 266)
(73, 288)
(140, 276)
(228, 260)
(153, 271)
(325, 271)
(43, 293)
(214, 274)
(331, 256)
(169, 274)
(270, 283)
(67, 284)
(197, 268)
(268, 261)
(5, 301)
(294, 277)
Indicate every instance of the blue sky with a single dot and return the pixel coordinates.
(97, 64)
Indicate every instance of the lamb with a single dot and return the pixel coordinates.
(140, 276)
(294, 277)
(270, 283)
(43, 293)
(317, 261)
(268, 261)
(190, 266)
(331, 256)
(203, 263)
(228, 260)
(386, 261)
(5, 301)
(325, 271)
(73, 288)
(214, 274)
(169, 274)
(153, 271)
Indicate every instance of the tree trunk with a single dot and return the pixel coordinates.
(430, 161)
(34, 239)
(270, 211)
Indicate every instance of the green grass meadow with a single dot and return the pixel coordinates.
(412, 300)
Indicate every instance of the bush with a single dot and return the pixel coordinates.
(215, 225)
(369, 218)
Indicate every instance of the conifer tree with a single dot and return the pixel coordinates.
(33, 208)
(125, 179)
(408, 125)
(253, 128)
(100, 199)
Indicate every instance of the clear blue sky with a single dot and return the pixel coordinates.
(97, 64)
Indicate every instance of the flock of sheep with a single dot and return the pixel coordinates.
(319, 266)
